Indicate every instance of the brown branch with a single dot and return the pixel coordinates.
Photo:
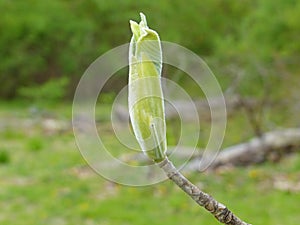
(221, 212)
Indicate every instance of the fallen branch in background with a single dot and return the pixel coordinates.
(270, 146)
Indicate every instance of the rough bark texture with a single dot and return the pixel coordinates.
(221, 212)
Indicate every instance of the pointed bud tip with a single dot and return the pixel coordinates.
(143, 19)
(134, 29)
(133, 23)
(142, 15)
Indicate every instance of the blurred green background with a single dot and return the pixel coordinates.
(53, 42)
(252, 47)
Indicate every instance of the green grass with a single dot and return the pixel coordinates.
(44, 180)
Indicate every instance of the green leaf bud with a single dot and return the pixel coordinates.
(145, 96)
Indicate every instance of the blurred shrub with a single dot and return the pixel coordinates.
(42, 40)
(39, 40)
(4, 156)
(35, 144)
(264, 52)
(52, 90)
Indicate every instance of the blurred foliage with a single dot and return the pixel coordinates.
(52, 90)
(35, 144)
(4, 156)
(42, 40)
(39, 41)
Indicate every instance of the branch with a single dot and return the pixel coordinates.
(270, 146)
(221, 212)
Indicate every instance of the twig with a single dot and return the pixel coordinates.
(220, 211)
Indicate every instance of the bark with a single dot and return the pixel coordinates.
(220, 211)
